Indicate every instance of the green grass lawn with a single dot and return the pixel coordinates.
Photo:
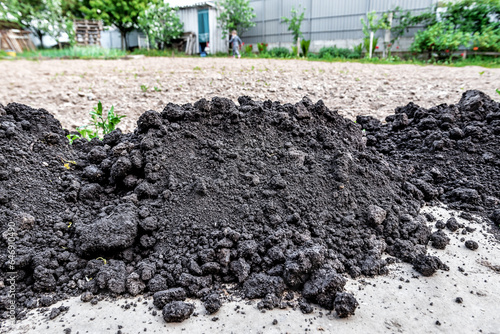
(74, 52)
(102, 53)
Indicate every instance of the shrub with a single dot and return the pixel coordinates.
(440, 38)
(262, 47)
(367, 44)
(304, 45)
(249, 48)
(358, 49)
(335, 52)
(280, 52)
(488, 40)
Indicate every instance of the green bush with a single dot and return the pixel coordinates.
(335, 52)
(304, 45)
(440, 38)
(262, 47)
(280, 52)
(249, 48)
(358, 49)
(366, 44)
(488, 40)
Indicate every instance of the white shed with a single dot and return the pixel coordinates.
(200, 18)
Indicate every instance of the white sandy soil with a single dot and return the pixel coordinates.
(69, 89)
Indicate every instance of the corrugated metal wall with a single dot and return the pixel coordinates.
(217, 43)
(329, 20)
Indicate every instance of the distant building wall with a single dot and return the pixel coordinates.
(188, 16)
(326, 23)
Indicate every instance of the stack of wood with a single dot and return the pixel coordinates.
(16, 40)
(191, 43)
(88, 32)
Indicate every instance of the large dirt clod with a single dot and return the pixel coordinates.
(269, 197)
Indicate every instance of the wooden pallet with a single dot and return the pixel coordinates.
(16, 40)
(88, 32)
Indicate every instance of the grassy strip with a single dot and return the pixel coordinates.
(479, 61)
(74, 52)
(482, 61)
(159, 53)
(101, 53)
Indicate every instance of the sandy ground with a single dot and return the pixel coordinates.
(401, 302)
(70, 88)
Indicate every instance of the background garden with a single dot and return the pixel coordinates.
(458, 33)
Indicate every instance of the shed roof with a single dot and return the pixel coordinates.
(190, 3)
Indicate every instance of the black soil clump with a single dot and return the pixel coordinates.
(450, 153)
(269, 198)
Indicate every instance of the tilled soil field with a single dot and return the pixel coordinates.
(69, 89)
(279, 202)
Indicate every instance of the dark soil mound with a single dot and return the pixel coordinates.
(273, 198)
(449, 153)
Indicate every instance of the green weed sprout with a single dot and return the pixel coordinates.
(498, 91)
(144, 88)
(100, 124)
(157, 89)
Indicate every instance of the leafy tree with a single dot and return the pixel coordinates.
(21, 12)
(161, 23)
(472, 16)
(52, 21)
(43, 17)
(235, 15)
(369, 26)
(295, 22)
(71, 8)
(123, 14)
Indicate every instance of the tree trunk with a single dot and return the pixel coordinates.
(124, 39)
(39, 34)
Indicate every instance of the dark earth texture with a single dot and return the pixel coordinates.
(261, 199)
(449, 153)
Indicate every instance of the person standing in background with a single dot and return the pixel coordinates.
(235, 41)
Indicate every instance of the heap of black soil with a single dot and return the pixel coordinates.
(449, 153)
(275, 200)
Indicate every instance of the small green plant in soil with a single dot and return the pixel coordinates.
(156, 89)
(101, 124)
(144, 88)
